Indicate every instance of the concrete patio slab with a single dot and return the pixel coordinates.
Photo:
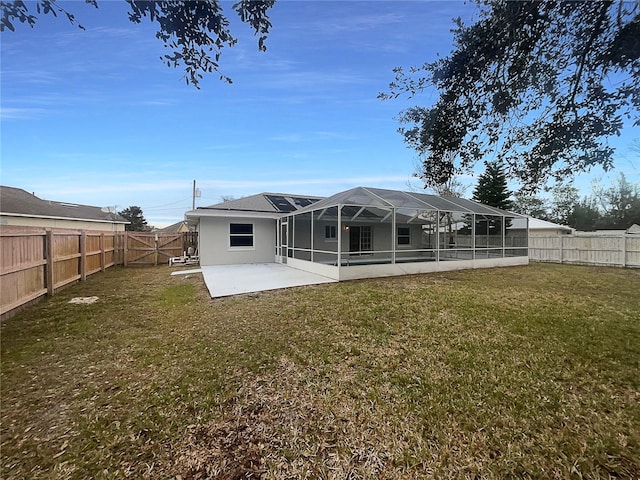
(226, 280)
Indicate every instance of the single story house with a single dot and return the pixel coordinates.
(542, 228)
(360, 233)
(19, 208)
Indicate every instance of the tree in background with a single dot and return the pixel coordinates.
(451, 188)
(195, 32)
(543, 84)
(614, 207)
(584, 215)
(134, 215)
(530, 205)
(492, 190)
(620, 204)
(564, 198)
(492, 187)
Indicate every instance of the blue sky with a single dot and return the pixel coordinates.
(95, 117)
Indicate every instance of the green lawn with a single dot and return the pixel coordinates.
(523, 372)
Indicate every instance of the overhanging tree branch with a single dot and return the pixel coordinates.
(513, 77)
(195, 32)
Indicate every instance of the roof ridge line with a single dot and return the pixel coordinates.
(377, 196)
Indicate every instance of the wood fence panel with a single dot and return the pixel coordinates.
(22, 270)
(112, 251)
(140, 249)
(170, 245)
(35, 262)
(594, 250)
(546, 249)
(632, 251)
(612, 250)
(93, 253)
(65, 258)
(152, 248)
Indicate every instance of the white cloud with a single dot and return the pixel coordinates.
(8, 113)
(291, 137)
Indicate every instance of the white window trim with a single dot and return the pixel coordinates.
(330, 239)
(241, 248)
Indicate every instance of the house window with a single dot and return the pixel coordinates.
(404, 236)
(241, 235)
(330, 232)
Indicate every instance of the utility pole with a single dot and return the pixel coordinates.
(196, 193)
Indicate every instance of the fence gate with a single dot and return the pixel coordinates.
(152, 248)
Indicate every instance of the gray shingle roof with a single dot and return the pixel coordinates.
(20, 202)
(264, 202)
(175, 227)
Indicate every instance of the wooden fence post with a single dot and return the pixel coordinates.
(125, 245)
(49, 257)
(561, 247)
(83, 256)
(103, 253)
(624, 249)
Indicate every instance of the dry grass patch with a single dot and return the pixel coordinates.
(526, 372)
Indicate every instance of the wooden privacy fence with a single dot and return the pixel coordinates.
(151, 249)
(621, 250)
(35, 262)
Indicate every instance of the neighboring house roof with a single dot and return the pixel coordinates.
(635, 229)
(18, 202)
(267, 204)
(537, 224)
(178, 227)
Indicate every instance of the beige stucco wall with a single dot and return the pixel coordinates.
(59, 223)
(214, 246)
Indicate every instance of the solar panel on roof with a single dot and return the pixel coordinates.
(280, 203)
(303, 201)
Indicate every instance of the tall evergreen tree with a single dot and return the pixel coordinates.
(492, 187)
(135, 216)
(492, 190)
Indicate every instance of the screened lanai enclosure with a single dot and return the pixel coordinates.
(371, 232)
